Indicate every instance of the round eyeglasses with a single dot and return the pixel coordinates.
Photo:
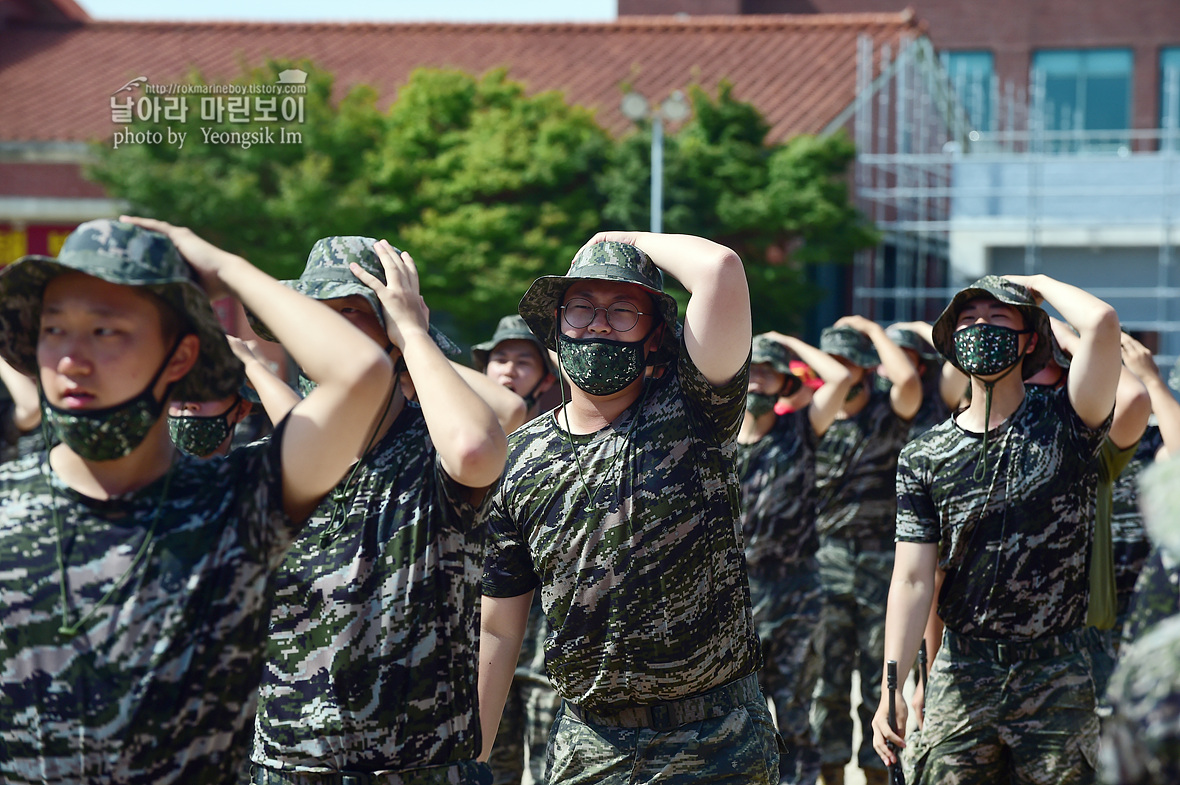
(580, 313)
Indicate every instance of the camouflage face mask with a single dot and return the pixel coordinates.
(110, 433)
(986, 349)
(758, 404)
(201, 436)
(854, 391)
(601, 367)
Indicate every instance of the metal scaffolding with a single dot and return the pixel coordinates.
(1030, 193)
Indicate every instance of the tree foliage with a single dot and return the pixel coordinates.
(490, 187)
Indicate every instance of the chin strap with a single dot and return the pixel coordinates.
(981, 462)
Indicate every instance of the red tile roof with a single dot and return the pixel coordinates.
(800, 71)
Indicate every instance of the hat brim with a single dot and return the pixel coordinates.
(481, 352)
(217, 372)
(1035, 318)
(539, 306)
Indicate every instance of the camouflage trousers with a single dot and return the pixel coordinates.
(529, 711)
(466, 772)
(1012, 718)
(856, 586)
(788, 599)
(740, 748)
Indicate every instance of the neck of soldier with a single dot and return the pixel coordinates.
(1007, 394)
(105, 479)
(590, 413)
(754, 428)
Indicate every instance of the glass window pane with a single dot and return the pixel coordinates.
(971, 74)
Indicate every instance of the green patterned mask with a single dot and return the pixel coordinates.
(201, 436)
(758, 404)
(986, 349)
(110, 433)
(854, 391)
(601, 367)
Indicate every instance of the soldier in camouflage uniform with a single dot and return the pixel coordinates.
(776, 467)
(371, 659)
(1148, 578)
(943, 385)
(855, 464)
(623, 507)
(517, 359)
(1141, 738)
(1001, 498)
(134, 579)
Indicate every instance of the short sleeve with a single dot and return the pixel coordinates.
(508, 571)
(721, 408)
(917, 514)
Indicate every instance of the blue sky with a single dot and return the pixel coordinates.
(357, 10)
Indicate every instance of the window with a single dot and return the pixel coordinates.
(1083, 93)
(972, 77)
(1170, 88)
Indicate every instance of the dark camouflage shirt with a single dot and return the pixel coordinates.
(1131, 545)
(1141, 737)
(933, 409)
(13, 442)
(1156, 595)
(159, 686)
(645, 590)
(371, 663)
(777, 474)
(1016, 545)
(855, 464)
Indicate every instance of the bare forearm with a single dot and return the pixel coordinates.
(502, 627)
(23, 391)
(276, 395)
(510, 409)
(464, 429)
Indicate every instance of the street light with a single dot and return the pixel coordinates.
(675, 108)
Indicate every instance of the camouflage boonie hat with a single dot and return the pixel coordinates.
(327, 277)
(997, 288)
(851, 344)
(125, 254)
(770, 351)
(908, 339)
(606, 261)
(510, 328)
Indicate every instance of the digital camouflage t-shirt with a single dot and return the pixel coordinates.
(1016, 545)
(1131, 545)
(159, 685)
(371, 664)
(644, 583)
(855, 465)
(777, 474)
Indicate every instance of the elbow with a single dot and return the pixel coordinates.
(479, 460)
(1105, 322)
(370, 373)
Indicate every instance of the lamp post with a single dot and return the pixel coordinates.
(675, 108)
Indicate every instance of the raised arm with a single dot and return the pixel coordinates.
(501, 631)
(1132, 404)
(510, 409)
(326, 432)
(827, 400)
(26, 413)
(1092, 385)
(277, 397)
(470, 442)
(906, 393)
(1138, 359)
(717, 325)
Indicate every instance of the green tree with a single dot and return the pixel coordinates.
(486, 186)
(782, 207)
